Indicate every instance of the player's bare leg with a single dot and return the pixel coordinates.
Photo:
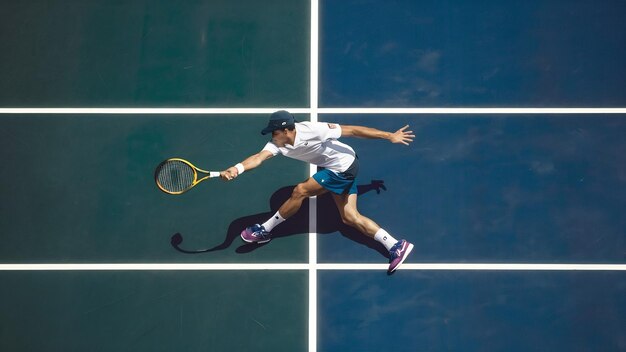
(398, 250)
(306, 189)
(346, 204)
(260, 233)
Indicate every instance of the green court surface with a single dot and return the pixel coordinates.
(86, 193)
(154, 53)
(153, 311)
(80, 188)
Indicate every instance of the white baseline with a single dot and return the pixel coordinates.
(308, 267)
(314, 110)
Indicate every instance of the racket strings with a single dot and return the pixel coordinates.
(175, 176)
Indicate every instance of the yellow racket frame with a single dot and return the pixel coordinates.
(196, 170)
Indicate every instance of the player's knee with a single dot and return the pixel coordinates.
(299, 191)
(350, 218)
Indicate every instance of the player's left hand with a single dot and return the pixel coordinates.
(402, 136)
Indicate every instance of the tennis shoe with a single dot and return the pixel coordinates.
(256, 234)
(398, 254)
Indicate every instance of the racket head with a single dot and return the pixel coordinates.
(175, 176)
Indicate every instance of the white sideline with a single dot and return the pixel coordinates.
(313, 90)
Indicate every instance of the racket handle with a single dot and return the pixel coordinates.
(214, 174)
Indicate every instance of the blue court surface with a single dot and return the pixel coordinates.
(513, 192)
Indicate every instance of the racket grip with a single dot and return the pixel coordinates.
(214, 174)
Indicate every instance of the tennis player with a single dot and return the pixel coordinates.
(317, 143)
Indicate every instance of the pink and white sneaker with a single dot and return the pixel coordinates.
(398, 253)
(256, 234)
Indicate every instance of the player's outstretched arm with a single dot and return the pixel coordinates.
(400, 136)
(250, 163)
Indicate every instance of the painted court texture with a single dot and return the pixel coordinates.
(514, 191)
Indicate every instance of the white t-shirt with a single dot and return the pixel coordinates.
(316, 143)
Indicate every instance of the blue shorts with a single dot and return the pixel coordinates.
(342, 183)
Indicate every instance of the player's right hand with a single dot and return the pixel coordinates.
(229, 174)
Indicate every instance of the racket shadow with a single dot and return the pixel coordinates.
(329, 221)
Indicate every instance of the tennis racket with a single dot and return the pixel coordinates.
(177, 176)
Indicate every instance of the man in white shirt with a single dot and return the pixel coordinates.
(316, 143)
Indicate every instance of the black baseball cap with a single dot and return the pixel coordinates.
(279, 120)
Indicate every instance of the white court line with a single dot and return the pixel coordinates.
(309, 267)
(151, 111)
(461, 110)
(152, 266)
(313, 91)
(478, 267)
(313, 110)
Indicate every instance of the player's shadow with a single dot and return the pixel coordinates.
(328, 220)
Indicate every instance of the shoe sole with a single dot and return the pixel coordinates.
(259, 242)
(406, 254)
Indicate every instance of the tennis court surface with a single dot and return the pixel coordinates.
(513, 191)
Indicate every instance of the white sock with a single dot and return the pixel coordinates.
(385, 238)
(273, 222)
